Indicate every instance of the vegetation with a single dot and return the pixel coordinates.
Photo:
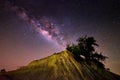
(85, 49)
(2, 71)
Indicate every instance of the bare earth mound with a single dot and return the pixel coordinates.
(61, 66)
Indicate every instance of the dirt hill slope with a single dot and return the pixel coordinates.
(61, 66)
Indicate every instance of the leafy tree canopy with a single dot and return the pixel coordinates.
(85, 49)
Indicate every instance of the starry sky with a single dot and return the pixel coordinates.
(34, 29)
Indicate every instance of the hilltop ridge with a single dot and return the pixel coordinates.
(61, 66)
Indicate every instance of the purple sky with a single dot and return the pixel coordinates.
(33, 29)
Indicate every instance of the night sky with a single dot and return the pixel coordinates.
(34, 29)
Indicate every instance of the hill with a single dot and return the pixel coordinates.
(60, 66)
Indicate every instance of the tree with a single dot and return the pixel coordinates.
(98, 56)
(75, 50)
(2, 70)
(86, 47)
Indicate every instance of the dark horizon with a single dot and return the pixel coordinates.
(31, 30)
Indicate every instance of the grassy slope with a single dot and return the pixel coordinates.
(61, 66)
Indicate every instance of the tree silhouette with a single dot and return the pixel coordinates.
(75, 50)
(86, 47)
(87, 44)
(2, 70)
(98, 56)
